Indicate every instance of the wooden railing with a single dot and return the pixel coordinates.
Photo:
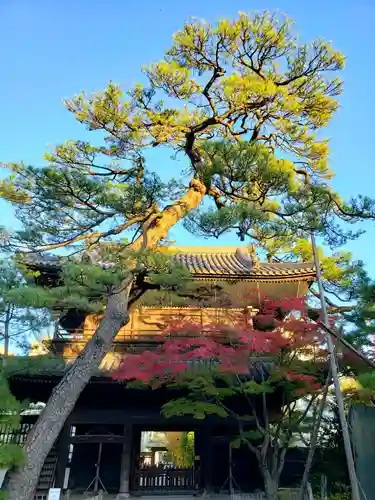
(47, 474)
(150, 336)
(81, 335)
(10, 436)
(149, 323)
(154, 479)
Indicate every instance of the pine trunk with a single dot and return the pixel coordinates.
(22, 482)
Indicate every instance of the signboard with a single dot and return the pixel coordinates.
(54, 494)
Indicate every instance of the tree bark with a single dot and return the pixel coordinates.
(271, 485)
(6, 332)
(314, 437)
(46, 430)
(172, 214)
(271, 474)
(23, 481)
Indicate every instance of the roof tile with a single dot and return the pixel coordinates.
(211, 262)
(229, 264)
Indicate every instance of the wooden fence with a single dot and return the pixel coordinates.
(159, 479)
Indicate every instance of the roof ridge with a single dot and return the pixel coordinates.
(209, 250)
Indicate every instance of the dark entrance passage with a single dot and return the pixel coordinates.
(95, 459)
(166, 463)
(95, 466)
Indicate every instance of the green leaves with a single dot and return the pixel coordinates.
(252, 387)
(20, 323)
(249, 435)
(197, 409)
(10, 415)
(9, 406)
(79, 198)
(265, 197)
(34, 366)
(11, 455)
(173, 79)
(206, 382)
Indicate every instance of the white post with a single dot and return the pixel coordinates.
(2, 475)
(309, 491)
(335, 376)
(323, 487)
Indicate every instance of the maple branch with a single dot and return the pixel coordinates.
(264, 405)
(253, 448)
(257, 423)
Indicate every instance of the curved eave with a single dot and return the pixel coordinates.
(203, 268)
(309, 277)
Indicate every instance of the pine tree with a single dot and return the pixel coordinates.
(11, 454)
(20, 325)
(244, 102)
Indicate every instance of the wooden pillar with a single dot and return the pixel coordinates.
(126, 464)
(208, 459)
(62, 448)
(204, 450)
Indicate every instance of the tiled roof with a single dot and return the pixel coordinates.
(236, 262)
(206, 262)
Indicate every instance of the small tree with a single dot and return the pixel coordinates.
(181, 448)
(20, 325)
(274, 370)
(11, 454)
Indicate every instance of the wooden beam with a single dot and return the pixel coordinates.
(97, 438)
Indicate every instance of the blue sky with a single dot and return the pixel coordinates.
(52, 50)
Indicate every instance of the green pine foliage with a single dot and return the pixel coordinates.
(20, 322)
(245, 101)
(47, 364)
(11, 454)
(86, 286)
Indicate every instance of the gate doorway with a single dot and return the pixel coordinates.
(95, 466)
(94, 459)
(166, 463)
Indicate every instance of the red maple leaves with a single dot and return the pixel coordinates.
(283, 333)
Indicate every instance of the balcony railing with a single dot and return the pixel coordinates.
(82, 335)
(131, 336)
(147, 324)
